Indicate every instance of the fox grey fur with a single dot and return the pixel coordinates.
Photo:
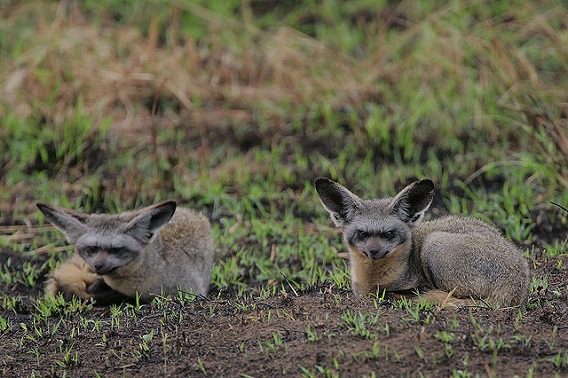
(149, 251)
(392, 248)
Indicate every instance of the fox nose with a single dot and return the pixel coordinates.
(99, 267)
(374, 254)
(374, 247)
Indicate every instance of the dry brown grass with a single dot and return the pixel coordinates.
(114, 71)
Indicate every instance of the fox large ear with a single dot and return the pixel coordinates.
(413, 201)
(337, 200)
(150, 220)
(70, 222)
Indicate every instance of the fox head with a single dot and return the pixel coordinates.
(109, 242)
(376, 227)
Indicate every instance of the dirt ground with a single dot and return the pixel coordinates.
(294, 334)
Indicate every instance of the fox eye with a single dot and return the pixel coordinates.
(114, 250)
(90, 250)
(361, 234)
(389, 234)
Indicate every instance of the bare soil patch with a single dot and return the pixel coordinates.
(292, 333)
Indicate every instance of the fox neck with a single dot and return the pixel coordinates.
(392, 272)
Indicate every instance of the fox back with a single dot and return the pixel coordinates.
(152, 250)
(392, 248)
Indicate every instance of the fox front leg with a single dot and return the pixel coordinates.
(104, 294)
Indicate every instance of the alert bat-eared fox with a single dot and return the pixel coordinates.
(454, 258)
